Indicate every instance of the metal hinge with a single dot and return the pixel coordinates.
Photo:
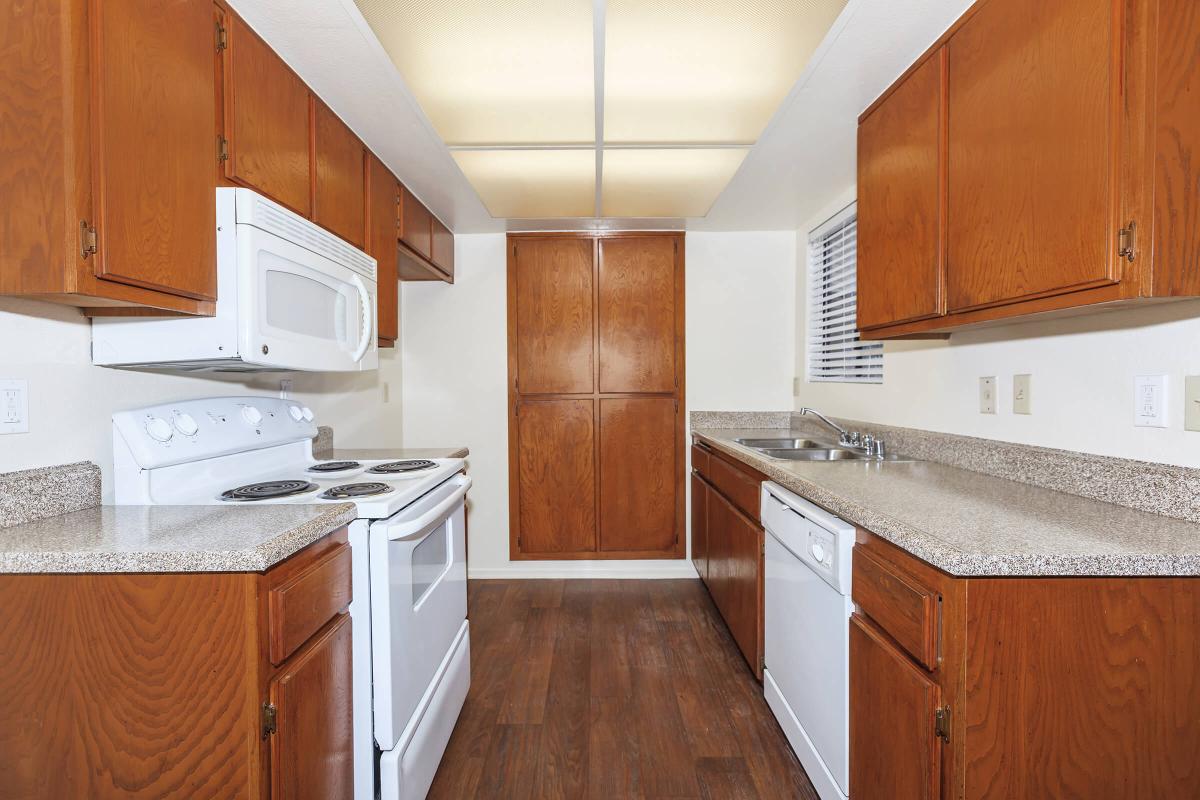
(270, 720)
(941, 723)
(1127, 241)
(222, 149)
(222, 37)
(87, 239)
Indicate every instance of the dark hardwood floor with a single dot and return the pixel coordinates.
(611, 689)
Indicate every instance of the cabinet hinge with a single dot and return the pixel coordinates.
(87, 239)
(222, 37)
(1127, 242)
(270, 720)
(941, 723)
(222, 149)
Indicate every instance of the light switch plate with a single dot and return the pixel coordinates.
(1022, 402)
(987, 395)
(14, 406)
(1191, 403)
(1150, 401)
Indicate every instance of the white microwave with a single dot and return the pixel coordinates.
(290, 296)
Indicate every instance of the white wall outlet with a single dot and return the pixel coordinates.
(987, 395)
(285, 389)
(1150, 401)
(14, 406)
(795, 387)
(1191, 403)
(1022, 402)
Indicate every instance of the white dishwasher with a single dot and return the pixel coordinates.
(807, 634)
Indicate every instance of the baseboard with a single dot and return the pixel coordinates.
(635, 570)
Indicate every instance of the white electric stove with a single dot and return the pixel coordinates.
(408, 543)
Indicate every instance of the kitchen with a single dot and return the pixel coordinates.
(650, 400)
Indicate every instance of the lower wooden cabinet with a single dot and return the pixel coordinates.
(700, 492)
(162, 685)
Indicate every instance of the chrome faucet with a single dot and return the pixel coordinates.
(843, 434)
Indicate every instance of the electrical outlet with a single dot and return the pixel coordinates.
(795, 387)
(1150, 401)
(987, 395)
(285, 389)
(1191, 403)
(14, 406)
(1022, 403)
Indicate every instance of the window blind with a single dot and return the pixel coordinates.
(835, 353)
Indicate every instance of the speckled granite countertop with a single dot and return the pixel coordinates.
(967, 523)
(167, 538)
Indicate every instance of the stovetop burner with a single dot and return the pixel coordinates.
(411, 465)
(268, 490)
(352, 490)
(334, 466)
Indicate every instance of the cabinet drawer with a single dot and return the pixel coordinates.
(307, 598)
(739, 487)
(700, 459)
(897, 603)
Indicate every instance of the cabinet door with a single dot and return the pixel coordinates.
(735, 569)
(416, 224)
(1033, 101)
(556, 474)
(381, 244)
(552, 283)
(899, 201)
(638, 475)
(266, 121)
(442, 248)
(338, 193)
(894, 750)
(312, 748)
(700, 526)
(637, 297)
(153, 150)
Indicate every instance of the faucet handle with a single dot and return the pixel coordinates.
(880, 451)
(868, 444)
(855, 438)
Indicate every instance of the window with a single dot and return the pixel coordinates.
(835, 353)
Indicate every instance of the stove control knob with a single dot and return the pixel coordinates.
(251, 415)
(295, 413)
(159, 429)
(185, 423)
(308, 414)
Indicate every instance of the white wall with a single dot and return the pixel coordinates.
(740, 320)
(71, 401)
(1082, 367)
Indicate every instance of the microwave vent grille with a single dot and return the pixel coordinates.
(286, 225)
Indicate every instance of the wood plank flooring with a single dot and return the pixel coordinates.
(614, 690)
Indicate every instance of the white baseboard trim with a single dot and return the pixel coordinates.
(636, 570)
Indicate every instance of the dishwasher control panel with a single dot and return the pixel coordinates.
(810, 533)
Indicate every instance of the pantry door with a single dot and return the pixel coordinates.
(596, 434)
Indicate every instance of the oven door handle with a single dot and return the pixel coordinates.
(368, 320)
(413, 529)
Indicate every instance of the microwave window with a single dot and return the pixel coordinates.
(429, 562)
(301, 305)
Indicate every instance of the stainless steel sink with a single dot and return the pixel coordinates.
(814, 454)
(784, 444)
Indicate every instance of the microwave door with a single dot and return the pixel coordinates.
(300, 310)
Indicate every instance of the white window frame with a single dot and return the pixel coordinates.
(833, 351)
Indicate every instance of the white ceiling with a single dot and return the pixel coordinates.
(800, 163)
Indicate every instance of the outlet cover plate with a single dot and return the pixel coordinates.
(1022, 402)
(14, 406)
(1150, 401)
(1191, 403)
(987, 395)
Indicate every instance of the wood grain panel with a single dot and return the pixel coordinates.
(153, 114)
(894, 751)
(638, 474)
(442, 248)
(900, 211)
(740, 485)
(898, 604)
(267, 121)
(302, 599)
(382, 207)
(1083, 688)
(553, 312)
(416, 224)
(1031, 161)
(312, 751)
(735, 575)
(339, 194)
(557, 476)
(636, 309)
(700, 526)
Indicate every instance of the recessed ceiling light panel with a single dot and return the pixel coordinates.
(665, 183)
(520, 184)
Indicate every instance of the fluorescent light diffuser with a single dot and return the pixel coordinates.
(518, 184)
(706, 71)
(489, 73)
(665, 183)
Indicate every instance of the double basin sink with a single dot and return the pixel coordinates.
(797, 449)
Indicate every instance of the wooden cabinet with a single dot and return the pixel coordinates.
(616, 490)
(416, 225)
(732, 546)
(267, 110)
(339, 196)
(1058, 141)
(106, 186)
(382, 231)
(442, 248)
(165, 685)
(427, 252)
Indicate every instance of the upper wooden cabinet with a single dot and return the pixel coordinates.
(416, 225)
(107, 180)
(339, 197)
(639, 289)
(267, 119)
(1034, 160)
(427, 252)
(442, 248)
(383, 200)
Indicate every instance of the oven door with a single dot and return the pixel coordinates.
(418, 602)
(301, 310)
